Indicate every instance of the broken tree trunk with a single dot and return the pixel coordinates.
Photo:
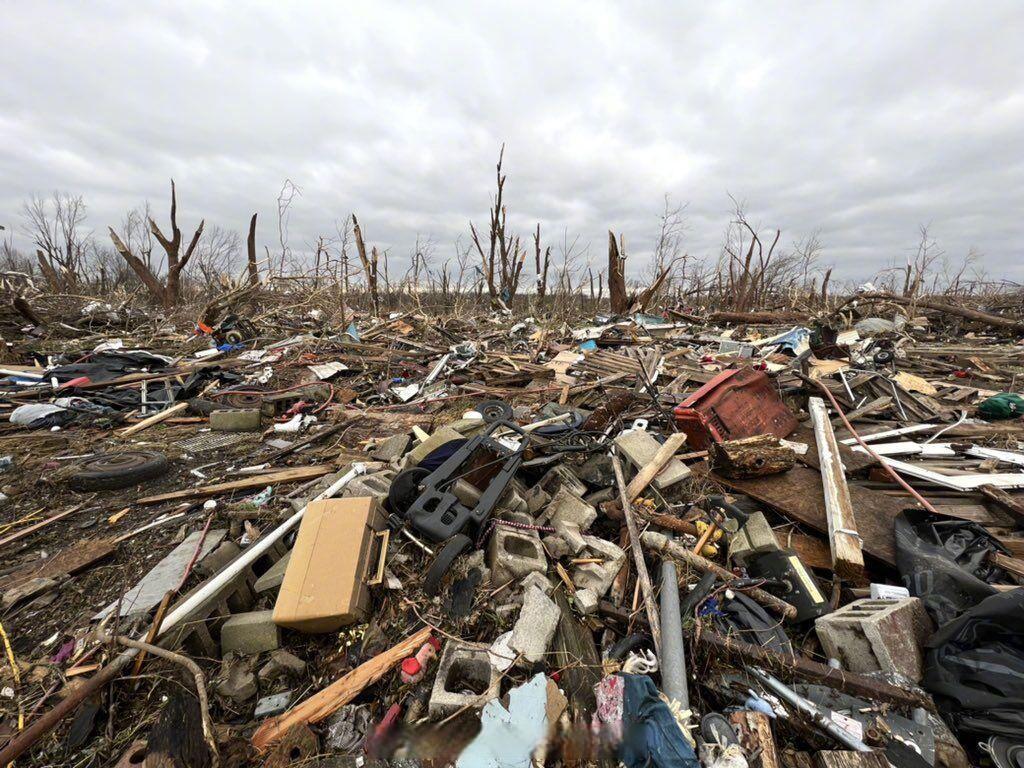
(753, 318)
(752, 456)
(616, 277)
(996, 321)
(250, 246)
(847, 558)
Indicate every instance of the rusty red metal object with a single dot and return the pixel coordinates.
(740, 402)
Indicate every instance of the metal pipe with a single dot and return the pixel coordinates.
(673, 650)
(811, 710)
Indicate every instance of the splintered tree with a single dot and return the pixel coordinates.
(168, 291)
(369, 265)
(617, 276)
(503, 261)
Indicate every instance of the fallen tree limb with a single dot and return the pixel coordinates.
(997, 321)
(806, 669)
(754, 318)
(292, 475)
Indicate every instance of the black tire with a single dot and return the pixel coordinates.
(110, 471)
(405, 489)
(247, 398)
(494, 410)
(443, 560)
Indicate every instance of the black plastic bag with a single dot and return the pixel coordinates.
(974, 668)
(945, 562)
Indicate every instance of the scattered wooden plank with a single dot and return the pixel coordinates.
(837, 759)
(755, 732)
(41, 524)
(844, 540)
(292, 475)
(339, 693)
(156, 418)
(657, 463)
(1006, 501)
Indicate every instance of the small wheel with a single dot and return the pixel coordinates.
(883, 357)
(494, 410)
(244, 399)
(443, 560)
(405, 488)
(110, 471)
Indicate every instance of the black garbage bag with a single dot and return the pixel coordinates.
(945, 562)
(974, 668)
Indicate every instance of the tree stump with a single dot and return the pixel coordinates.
(752, 457)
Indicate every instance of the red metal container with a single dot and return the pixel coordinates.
(740, 402)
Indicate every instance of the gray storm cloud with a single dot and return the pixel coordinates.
(858, 121)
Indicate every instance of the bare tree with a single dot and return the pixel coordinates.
(541, 265)
(369, 265)
(168, 291)
(503, 252)
(215, 256)
(250, 252)
(56, 228)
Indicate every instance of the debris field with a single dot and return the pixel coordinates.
(657, 539)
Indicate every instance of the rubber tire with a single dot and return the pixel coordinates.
(405, 489)
(110, 471)
(448, 554)
(494, 410)
(202, 407)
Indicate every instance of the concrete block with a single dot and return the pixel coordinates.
(252, 632)
(871, 635)
(464, 677)
(533, 632)
(536, 499)
(599, 576)
(512, 554)
(274, 575)
(538, 579)
(235, 420)
(557, 547)
(586, 600)
(569, 515)
(755, 537)
(393, 447)
(375, 485)
(639, 447)
(281, 664)
(216, 560)
(559, 476)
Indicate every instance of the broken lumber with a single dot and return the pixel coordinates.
(643, 578)
(653, 468)
(844, 540)
(156, 418)
(292, 475)
(752, 456)
(339, 693)
(806, 669)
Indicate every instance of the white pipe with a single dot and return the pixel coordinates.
(227, 575)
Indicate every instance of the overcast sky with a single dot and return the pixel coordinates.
(860, 120)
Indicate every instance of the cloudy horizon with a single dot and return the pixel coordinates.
(857, 122)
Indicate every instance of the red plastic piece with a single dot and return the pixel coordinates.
(740, 402)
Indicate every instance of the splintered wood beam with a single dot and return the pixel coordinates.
(845, 543)
(339, 693)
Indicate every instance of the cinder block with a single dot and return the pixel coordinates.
(569, 515)
(535, 628)
(599, 576)
(274, 575)
(235, 420)
(393, 447)
(756, 536)
(375, 485)
(871, 635)
(465, 677)
(640, 448)
(511, 554)
(252, 632)
(561, 476)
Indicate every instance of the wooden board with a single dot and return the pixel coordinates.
(293, 475)
(798, 495)
(70, 561)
